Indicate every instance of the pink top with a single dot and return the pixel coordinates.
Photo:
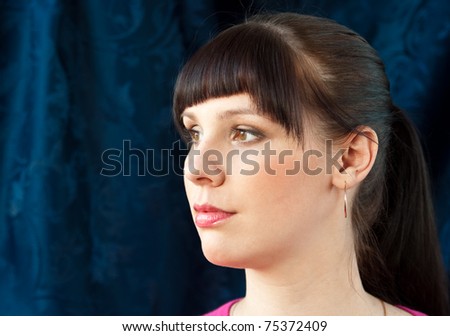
(224, 310)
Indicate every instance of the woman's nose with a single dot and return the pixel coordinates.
(205, 166)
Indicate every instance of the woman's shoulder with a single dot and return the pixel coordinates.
(223, 310)
(397, 310)
(409, 311)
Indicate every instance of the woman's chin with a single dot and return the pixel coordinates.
(223, 258)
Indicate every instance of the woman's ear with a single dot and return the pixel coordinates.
(358, 157)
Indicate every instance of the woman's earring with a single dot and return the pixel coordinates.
(345, 199)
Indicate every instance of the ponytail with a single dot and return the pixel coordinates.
(407, 237)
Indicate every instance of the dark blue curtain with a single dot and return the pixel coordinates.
(80, 80)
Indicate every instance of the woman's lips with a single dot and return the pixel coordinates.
(208, 215)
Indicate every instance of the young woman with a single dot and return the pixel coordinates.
(304, 173)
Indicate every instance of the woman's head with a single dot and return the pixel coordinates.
(321, 81)
(300, 72)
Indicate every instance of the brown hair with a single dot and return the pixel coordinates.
(296, 65)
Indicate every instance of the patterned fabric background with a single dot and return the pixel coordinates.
(80, 77)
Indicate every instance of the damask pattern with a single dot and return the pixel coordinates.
(80, 78)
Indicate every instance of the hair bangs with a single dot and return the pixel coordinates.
(249, 58)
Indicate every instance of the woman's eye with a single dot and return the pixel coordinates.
(194, 135)
(242, 135)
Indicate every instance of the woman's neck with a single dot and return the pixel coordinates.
(328, 285)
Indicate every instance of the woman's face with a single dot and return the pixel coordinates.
(255, 194)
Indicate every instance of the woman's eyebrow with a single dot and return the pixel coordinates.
(232, 112)
(223, 114)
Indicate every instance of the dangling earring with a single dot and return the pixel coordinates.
(345, 199)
